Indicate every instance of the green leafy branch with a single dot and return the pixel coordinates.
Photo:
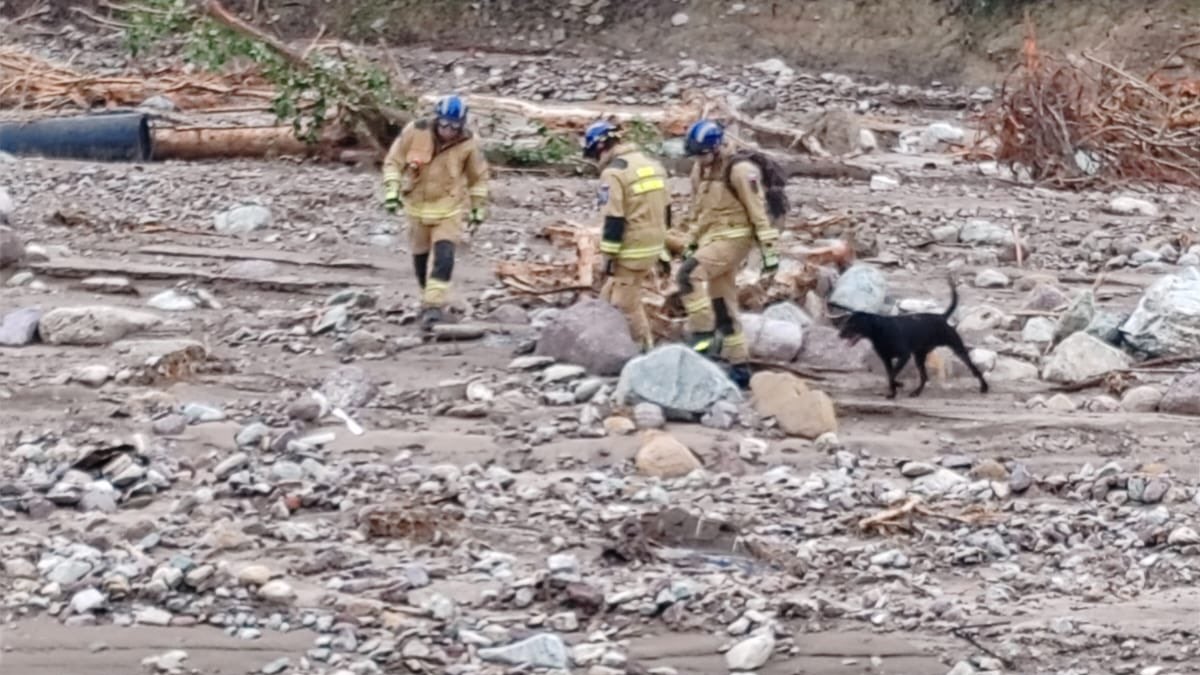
(309, 88)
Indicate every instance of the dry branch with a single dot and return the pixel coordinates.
(1097, 124)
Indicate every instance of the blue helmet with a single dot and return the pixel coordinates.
(597, 135)
(451, 109)
(703, 136)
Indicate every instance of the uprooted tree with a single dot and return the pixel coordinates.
(315, 90)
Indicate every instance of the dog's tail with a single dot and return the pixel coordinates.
(953, 299)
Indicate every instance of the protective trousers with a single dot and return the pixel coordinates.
(623, 290)
(708, 284)
(438, 237)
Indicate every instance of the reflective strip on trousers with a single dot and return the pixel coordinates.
(435, 291)
(425, 213)
(639, 253)
(767, 235)
(610, 247)
(478, 192)
(721, 235)
(735, 340)
(697, 306)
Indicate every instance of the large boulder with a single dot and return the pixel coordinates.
(790, 312)
(862, 288)
(1183, 398)
(93, 325)
(1167, 319)
(1081, 356)
(798, 410)
(19, 327)
(1077, 317)
(682, 382)
(824, 349)
(772, 340)
(592, 334)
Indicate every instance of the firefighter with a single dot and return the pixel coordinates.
(636, 205)
(436, 173)
(737, 198)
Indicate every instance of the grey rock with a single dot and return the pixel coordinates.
(102, 499)
(277, 591)
(19, 568)
(1045, 298)
(1141, 399)
(198, 413)
(1081, 356)
(592, 334)
(230, 464)
(510, 315)
(1183, 396)
(862, 288)
(284, 471)
(88, 600)
(19, 327)
(751, 653)
(277, 666)
(1166, 321)
(789, 312)
(1038, 330)
(677, 379)
(1106, 326)
(1131, 206)
(253, 435)
(989, 278)
(112, 285)
(824, 349)
(530, 362)
(242, 220)
(938, 482)
(348, 387)
(772, 340)
(985, 232)
(917, 469)
(169, 425)
(544, 650)
(92, 325)
(172, 300)
(722, 415)
(1077, 317)
(69, 571)
(649, 416)
(158, 103)
(337, 316)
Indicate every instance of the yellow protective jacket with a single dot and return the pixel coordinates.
(436, 181)
(729, 202)
(636, 206)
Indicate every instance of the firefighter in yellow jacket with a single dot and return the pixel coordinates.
(436, 173)
(736, 197)
(636, 206)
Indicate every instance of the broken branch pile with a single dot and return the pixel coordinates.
(1094, 124)
(30, 82)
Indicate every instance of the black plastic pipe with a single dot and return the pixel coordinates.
(100, 137)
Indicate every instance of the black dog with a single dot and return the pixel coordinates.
(896, 338)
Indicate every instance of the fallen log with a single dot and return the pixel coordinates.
(194, 143)
(671, 121)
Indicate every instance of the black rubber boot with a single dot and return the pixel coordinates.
(430, 317)
(421, 267)
(740, 374)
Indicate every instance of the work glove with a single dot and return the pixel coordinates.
(690, 250)
(475, 219)
(770, 261)
(391, 199)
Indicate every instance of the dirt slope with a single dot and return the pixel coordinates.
(956, 41)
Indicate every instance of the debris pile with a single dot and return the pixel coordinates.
(1094, 124)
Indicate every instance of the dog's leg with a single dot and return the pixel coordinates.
(894, 374)
(960, 350)
(919, 360)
